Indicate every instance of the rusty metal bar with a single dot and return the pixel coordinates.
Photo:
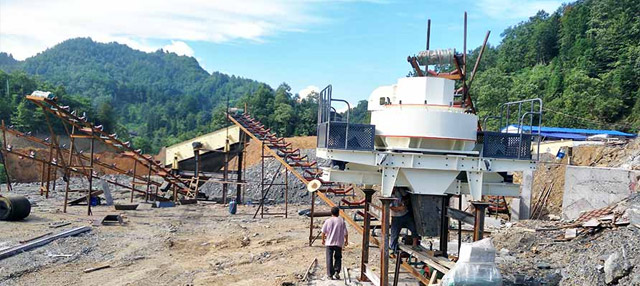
(240, 170)
(106, 139)
(262, 181)
(71, 170)
(90, 177)
(49, 171)
(364, 259)
(428, 32)
(133, 179)
(67, 173)
(415, 66)
(146, 197)
(65, 151)
(384, 246)
(475, 66)
(225, 173)
(478, 225)
(286, 193)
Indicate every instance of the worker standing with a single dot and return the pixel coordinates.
(401, 217)
(174, 165)
(334, 237)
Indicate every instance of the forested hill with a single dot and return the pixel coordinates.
(583, 60)
(161, 96)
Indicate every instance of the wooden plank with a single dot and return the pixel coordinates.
(306, 274)
(42, 241)
(89, 270)
(375, 280)
(439, 263)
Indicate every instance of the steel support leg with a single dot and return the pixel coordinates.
(444, 227)
(146, 195)
(90, 176)
(133, 180)
(366, 231)
(478, 225)
(225, 174)
(459, 224)
(384, 247)
(313, 203)
(67, 173)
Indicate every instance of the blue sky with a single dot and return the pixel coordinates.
(355, 45)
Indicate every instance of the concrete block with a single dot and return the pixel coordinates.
(525, 194)
(588, 188)
(514, 207)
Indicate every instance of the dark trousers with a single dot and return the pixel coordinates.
(397, 224)
(334, 260)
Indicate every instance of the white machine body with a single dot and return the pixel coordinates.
(423, 142)
(418, 113)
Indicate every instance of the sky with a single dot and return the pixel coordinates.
(354, 45)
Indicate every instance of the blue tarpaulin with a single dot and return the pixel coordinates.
(563, 136)
(568, 133)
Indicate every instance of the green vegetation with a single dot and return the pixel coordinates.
(3, 176)
(161, 97)
(583, 61)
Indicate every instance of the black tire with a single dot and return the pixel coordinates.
(5, 208)
(20, 208)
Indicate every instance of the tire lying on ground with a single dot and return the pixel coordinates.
(14, 208)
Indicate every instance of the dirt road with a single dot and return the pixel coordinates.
(187, 245)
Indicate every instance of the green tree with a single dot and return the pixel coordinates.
(3, 176)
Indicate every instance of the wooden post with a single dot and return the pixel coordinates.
(133, 180)
(55, 178)
(67, 172)
(90, 174)
(262, 182)
(146, 196)
(384, 247)
(49, 167)
(225, 174)
(239, 175)
(286, 193)
(4, 157)
(313, 203)
(366, 230)
(478, 223)
(43, 178)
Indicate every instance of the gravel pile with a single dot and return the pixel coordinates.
(297, 190)
(610, 256)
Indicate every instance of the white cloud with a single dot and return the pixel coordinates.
(180, 48)
(27, 27)
(510, 9)
(308, 90)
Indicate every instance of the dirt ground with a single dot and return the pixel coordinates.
(198, 244)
